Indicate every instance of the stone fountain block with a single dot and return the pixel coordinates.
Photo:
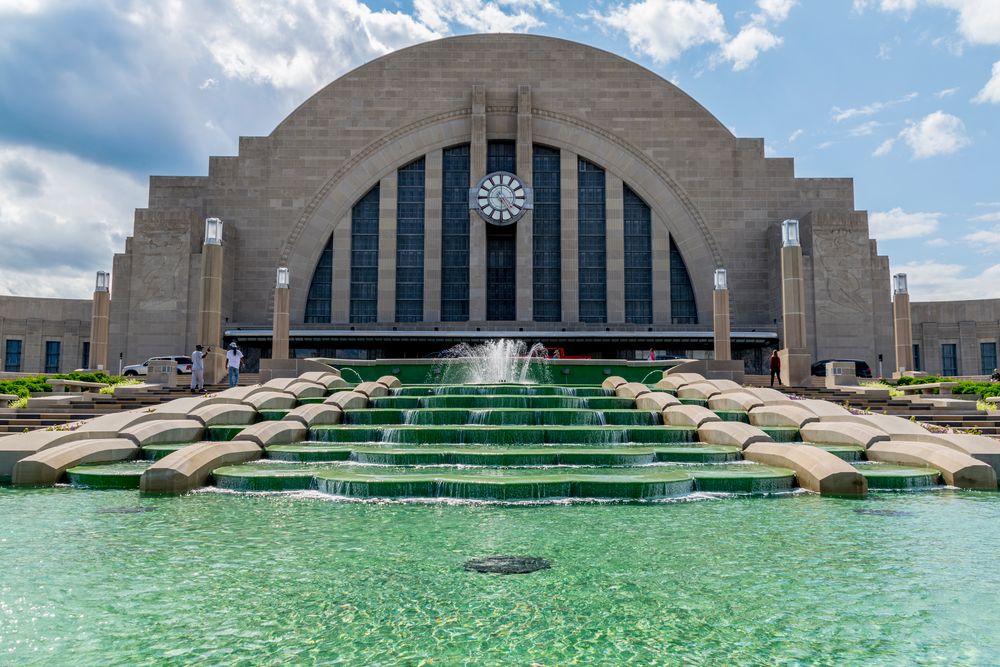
(348, 400)
(631, 390)
(225, 415)
(325, 378)
(281, 432)
(47, 467)
(957, 468)
(780, 415)
(734, 402)
(240, 394)
(734, 434)
(390, 381)
(372, 389)
(698, 390)
(271, 400)
(315, 414)
(164, 431)
(14, 448)
(727, 386)
(815, 469)
(769, 396)
(304, 389)
(280, 384)
(612, 382)
(842, 433)
(825, 409)
(656, 401)
(688, 415)
(190, 467)
(978, 447)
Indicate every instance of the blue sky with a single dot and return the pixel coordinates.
(901, 95)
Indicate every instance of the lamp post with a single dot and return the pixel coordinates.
(720, 308)
(795, 370)
(902, 324)
(210, 316)
(279, 334)
(99, 322)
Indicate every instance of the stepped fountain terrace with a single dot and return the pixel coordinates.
(110, 559)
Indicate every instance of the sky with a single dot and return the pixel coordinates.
(901, 95)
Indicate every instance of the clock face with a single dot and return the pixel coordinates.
(501, 198)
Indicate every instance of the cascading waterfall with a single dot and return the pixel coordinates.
(496, 362)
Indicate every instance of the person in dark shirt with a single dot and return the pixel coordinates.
(775, 368)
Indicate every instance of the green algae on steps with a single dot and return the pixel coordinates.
(499, 417)
(742, 478)
(495, 389)
(885, 476)
(698, 453)
(783, 434)
(504, 435)
(123, 475)
(310, 452)
(503, 401)
(733, 416)
(222, 433)
(272, 415)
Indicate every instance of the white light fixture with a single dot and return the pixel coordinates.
(790, 233)
(103, 282)
(282, 279)
(899, 283)
(720, 279)
(213, 231)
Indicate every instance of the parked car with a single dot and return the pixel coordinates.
(183, 365)
(861, 368)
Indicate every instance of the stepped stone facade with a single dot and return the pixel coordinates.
(639, 194)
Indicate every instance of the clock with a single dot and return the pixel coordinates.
(501, 198)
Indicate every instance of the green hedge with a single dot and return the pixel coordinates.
(23, 387)
(984, 389)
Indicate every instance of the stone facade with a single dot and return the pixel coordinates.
(32, 323)
(715, 196)
(972, 327)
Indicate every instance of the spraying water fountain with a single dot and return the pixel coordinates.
(500, 361)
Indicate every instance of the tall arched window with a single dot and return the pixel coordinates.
(593, 276)
(455, 234)
(683, 309)
(364, 258)
(638, 260)
(410, 242)
(546, 221)
(321, 287)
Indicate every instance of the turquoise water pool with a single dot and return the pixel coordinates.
(215, 578)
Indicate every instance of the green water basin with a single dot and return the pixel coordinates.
(124, 475)
(885, 476)
(504, 401)
(272, 415)
(222, 433)
(504, 435)
(500, 389)
(500, 417)
(849, 453)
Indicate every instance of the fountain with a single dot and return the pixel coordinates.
(499, 361)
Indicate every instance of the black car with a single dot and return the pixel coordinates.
(861, 368)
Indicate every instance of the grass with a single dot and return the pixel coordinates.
(878, 384)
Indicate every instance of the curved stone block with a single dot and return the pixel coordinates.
(239, 394)
(825, 409)
(655, 400)
(631, 390)
(612, 382)
(47, 467)
(768, 396)
(675, 381)
(315, 414)
(372, 389)
(189, 467)
(815, 469)
(978, 447)
(688, 415)
(727, 386)
(280, 384)
(842, 433)
(164, 431)
(390, 381)
(182, 407)
(14, 448)
(734, 434)
(303, 389)
(268, 433)
(348, 400)
(780, 415)
(271, 400)
(736, 401)
(109, 426)
(224, 414)
(325, 378)
(896, 427)
(957, 468)
(698, 390)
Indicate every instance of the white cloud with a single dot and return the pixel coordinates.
(987, 217)
(840, 114)
(751, 41)
(937, 281)
(978, 20)
(937, 243)
(776, 10)
(885, 147)
(795, 135)
(208, 83)
(664, 29)
(991, 91)
(20, 6)
(61, 219)
(986, 240)
(947, 92)
(884, 52)
(864, 129)
(479, 15)
(988, 204)
(898, 224)
(938, 133)
(826, 144)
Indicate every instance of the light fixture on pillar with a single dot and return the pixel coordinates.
(720, 279)
(899, 284)
(790, 233)
(282, 279)
(213, 231)
(103, 282)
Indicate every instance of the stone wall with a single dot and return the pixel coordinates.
(965, 324)
(35, 321)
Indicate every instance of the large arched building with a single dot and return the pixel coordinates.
(616, 197)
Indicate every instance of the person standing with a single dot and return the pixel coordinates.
(234, 361)
(198, 369)
(652, 354)
(775, 368)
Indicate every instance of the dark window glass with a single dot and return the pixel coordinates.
(988, 357)
(949, 359)
(12, 356)
(52, 349)
(501, 267)
(364, 258)
(321, 287)
(86, 355)
(916, 357)
(501, 156)
(547, 235)
(593, 279)
(683, 309)
(638, 260)
(455, 234)
(410, 242)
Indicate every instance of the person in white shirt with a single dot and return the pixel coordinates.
(198, 369)
(234, 360)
